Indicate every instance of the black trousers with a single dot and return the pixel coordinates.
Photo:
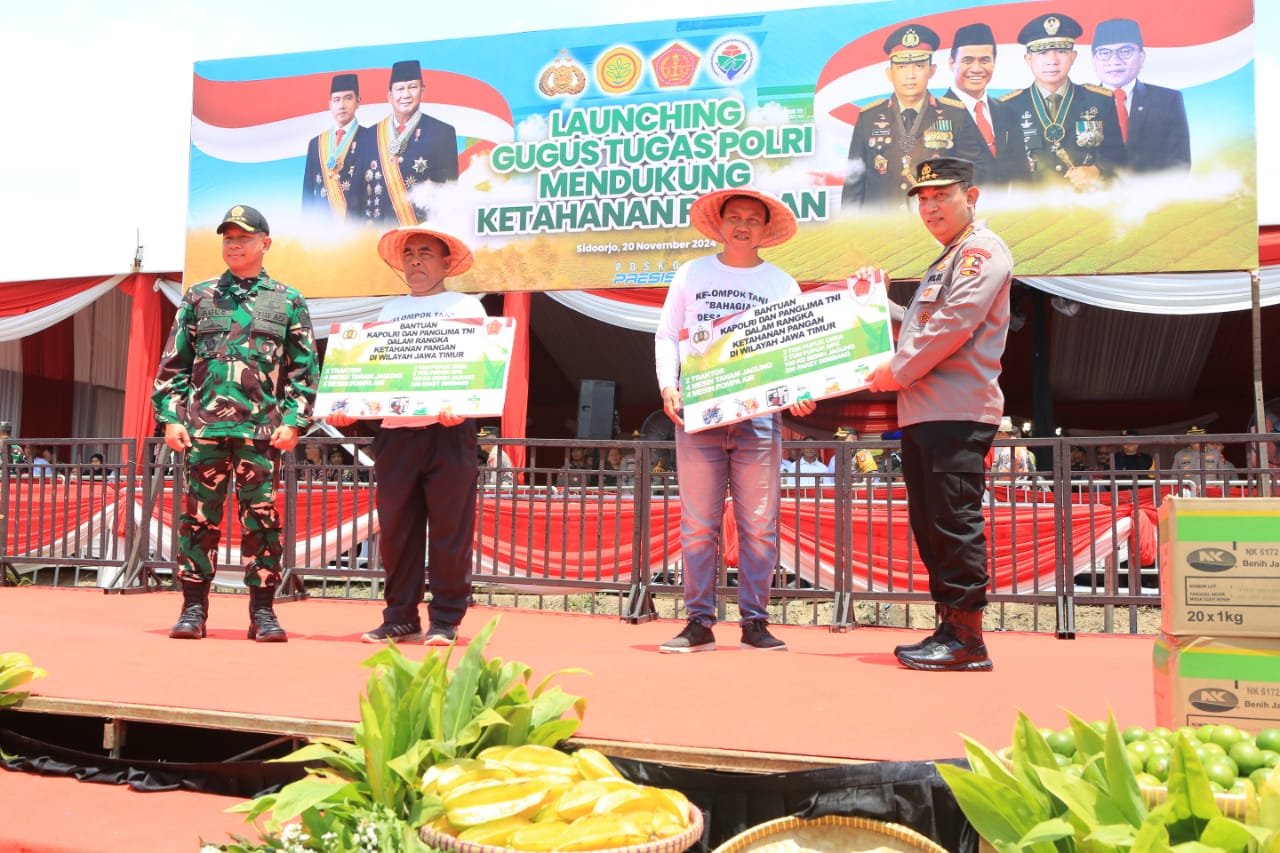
(426, 477)
(943, 464)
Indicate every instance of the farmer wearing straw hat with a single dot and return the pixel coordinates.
(745, 456)
(426, 466)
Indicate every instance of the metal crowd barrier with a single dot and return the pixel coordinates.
(552, 534)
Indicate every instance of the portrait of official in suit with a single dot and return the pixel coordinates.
(330, 186)
(409, 148)
(891, 136)
(1002, 158)
(1069, 131)
(1153, 119)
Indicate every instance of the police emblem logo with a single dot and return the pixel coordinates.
(562, 77)
(970, 265)
(675, 66)
(733, 59)
(618, 70)
(910, 38)
(701, 336)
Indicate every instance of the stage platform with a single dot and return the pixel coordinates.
(834, 698)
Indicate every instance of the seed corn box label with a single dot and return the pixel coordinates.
(1205, 679)
(1219, 564)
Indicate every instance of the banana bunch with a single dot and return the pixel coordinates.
(16, 670)
(535, 798)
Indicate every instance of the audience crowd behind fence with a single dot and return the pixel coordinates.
(79, 518)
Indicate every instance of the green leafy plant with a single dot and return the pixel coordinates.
(1032, 802)
(15, 671)
(367, 794)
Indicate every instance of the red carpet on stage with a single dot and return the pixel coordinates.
(833, 695)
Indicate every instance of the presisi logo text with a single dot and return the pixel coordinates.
(639, 279)
(1211, 559)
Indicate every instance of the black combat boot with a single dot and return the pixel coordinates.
(915, 647)
(263, 625)
(957, 646)
(195, 611)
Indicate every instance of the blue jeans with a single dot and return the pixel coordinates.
(745, 457)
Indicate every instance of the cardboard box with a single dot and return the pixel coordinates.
(1220, 567)
(1233, 680)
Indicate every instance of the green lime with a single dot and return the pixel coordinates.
(1259, 776)
(1099, 726)
(1225, 735)
(1268, 739)
(1204, 733)
(1134, 733)
(1140, 748)
(1161, 733)
(1212, 750)
(1158, 766)
(1062, 742)
(1136, 761)
(1239, 788)
(1159, 747)
(1061, 760)
(1247, 756)
(1222, 771)
(1149, 780)
(1270, 758)
(1189, 731)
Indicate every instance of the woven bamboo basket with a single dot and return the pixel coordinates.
(829, 834)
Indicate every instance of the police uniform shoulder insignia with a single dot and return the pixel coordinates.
(951, 102)
(1100, 90)
(1009, 97)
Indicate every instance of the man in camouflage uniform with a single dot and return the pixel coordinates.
(236, 385)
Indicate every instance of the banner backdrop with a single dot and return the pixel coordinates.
(568, 158)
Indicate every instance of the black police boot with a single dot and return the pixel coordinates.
(915, 647)
(195, 611)
(957, 647)
(263, 625)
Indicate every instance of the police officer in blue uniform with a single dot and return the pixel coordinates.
(1068, 131)
(894, 135)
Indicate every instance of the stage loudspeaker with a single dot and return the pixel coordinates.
(595, 409)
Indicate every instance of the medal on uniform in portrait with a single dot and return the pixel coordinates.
(1088, 134)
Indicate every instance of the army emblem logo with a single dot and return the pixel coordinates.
(1051, 25)
(675, 66)
(562, 77)
(618, 70)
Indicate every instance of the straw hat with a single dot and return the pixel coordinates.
(1006, 425)
(391, 247)
(706, 215)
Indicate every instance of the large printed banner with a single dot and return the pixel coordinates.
(416, 368)
(569, 158)
(823, 343)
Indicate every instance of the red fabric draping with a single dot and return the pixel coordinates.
(54, 518)
(146, 339)
(331, 519)
(48, 377)
(1269, 245)
(565, 537)
(1020, 541)
(516, 409)
(23, 297)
